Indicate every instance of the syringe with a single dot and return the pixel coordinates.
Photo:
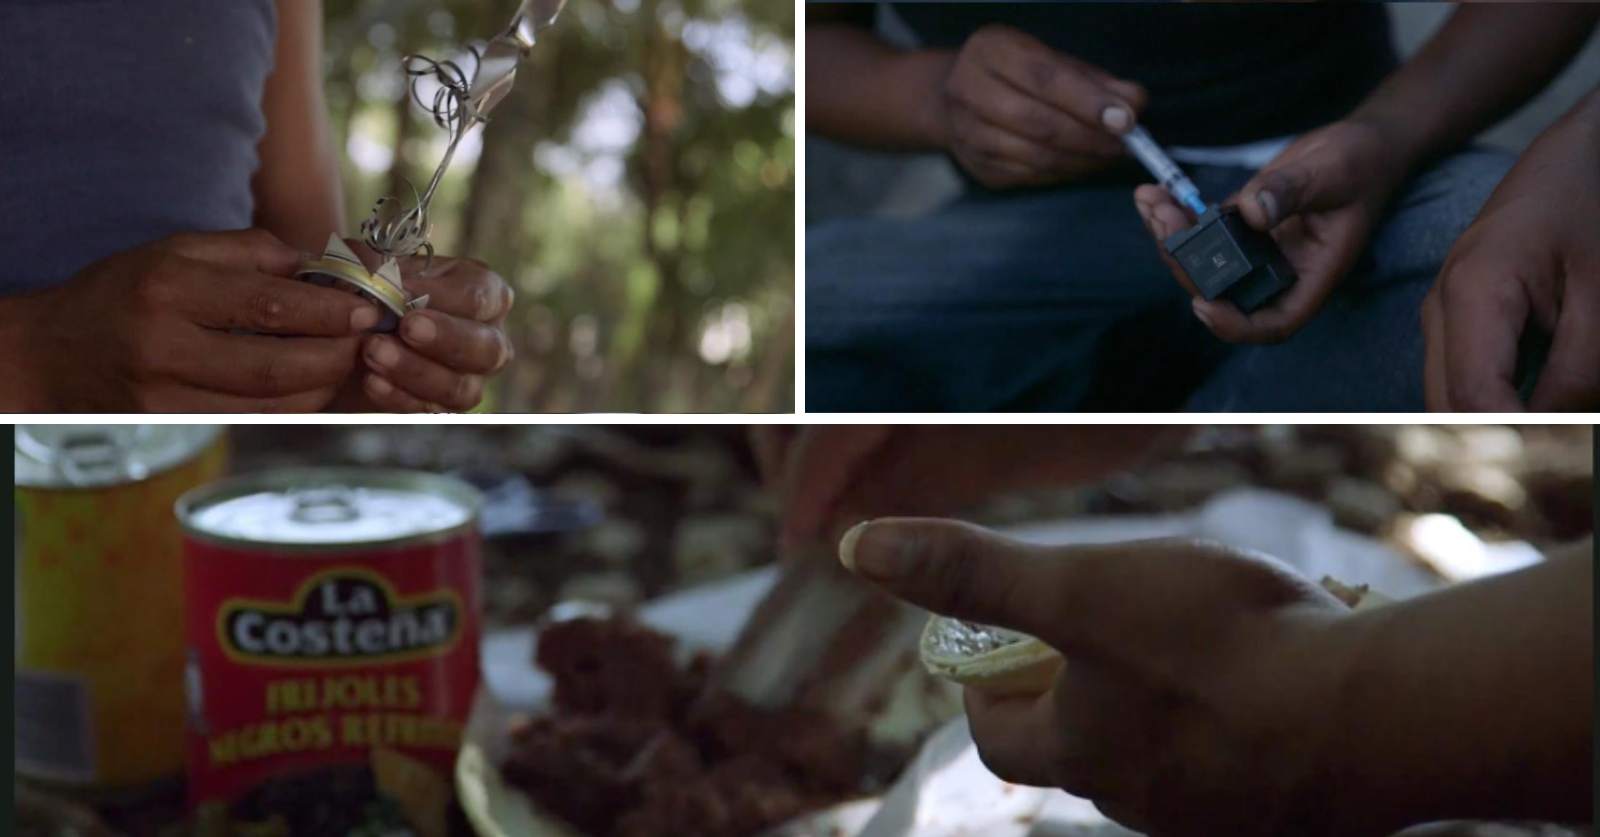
(1163, 169)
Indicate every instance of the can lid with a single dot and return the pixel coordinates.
(99, 455)
(358, 279)
(329, 507)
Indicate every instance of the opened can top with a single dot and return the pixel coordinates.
(319, 509)
(100, 455)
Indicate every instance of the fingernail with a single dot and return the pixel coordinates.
(379, 386)
(1116, 118)
(420, 330)
(383, 353)
(847, 545)
(363, 318)
(1200, 313)
(885, 563)
(1269, 206)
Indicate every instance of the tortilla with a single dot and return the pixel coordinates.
(996, 660)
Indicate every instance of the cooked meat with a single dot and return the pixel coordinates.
(634, 748)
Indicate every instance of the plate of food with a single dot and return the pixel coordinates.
(633, 742)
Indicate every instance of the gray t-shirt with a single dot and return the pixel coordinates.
(124, 122)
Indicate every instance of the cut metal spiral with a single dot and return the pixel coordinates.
(461, 101)
(404, 232)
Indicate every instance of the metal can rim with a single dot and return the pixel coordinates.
(362, 279)
(205, 435)
(283, 479)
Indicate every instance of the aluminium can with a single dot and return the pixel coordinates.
(353, 278)
(99, 602)
(333, 634)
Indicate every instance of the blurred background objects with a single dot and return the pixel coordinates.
(629, 513)
(636, 190)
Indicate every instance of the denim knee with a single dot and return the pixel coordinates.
(1432, 210)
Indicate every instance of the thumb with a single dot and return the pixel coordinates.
(1284, 190)
(961, 570)
(1151, 605)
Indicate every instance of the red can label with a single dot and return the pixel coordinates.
(298, 663)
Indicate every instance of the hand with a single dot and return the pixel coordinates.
(438, 359)
(198, 323)
(1532, 258)
(831, 476)
(1198, 684)
(1015, 112)
(1319, 199)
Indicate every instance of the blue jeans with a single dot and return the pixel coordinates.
(1056, 300)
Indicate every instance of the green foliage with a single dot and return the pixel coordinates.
(637, 189)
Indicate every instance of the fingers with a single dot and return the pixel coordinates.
(1095, 734)
(1271, 323)
(1570, 379)
(1321, 259)
(388, 398)
(823, 463)
(424, 380)
(463, 288)
(1128, 816)
(463, 345)
(1022, 114)
(1066, 84)
(961, 570)
(1283, 190)
(995, 139)
(1000, 158)
(256, 366)
(236, 298)
(253, 249)
(1043, 135)
(1017, 738)
(1485, 309)
(1162, 215)
(998, 173)
(184, 399)
(1145, 605)
(1162, 218)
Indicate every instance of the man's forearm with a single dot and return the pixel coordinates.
(1473, 702)
(862, 91)
(1485, 61)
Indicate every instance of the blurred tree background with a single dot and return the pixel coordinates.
(637, 190)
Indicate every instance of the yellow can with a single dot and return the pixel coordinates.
(100, 617)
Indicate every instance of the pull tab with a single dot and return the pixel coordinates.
(324, 505)
(95, 456)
